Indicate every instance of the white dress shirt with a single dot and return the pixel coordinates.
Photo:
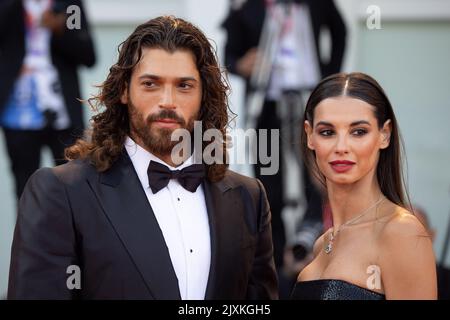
(183, 219)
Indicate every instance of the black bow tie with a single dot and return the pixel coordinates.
(190, 177)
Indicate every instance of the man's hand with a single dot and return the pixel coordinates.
(246, 64)
(55, 22)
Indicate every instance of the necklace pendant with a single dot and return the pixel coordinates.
(329, 247)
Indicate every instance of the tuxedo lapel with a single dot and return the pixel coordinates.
(224, 209)
(124, 202)
(212, 193)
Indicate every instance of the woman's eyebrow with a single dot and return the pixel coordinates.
(353, 124)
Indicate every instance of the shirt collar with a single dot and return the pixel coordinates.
(141, 159)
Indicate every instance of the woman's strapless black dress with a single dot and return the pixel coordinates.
(327, 289)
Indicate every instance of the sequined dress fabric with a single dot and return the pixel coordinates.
(332, 290)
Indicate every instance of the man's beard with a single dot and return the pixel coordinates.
(156, 140)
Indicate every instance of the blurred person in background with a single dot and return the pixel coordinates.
(443, 273)
(41, 48)
(299, 64)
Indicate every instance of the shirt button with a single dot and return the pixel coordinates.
(178, 199)
(191, 250)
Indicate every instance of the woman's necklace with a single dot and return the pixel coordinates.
(329, 247)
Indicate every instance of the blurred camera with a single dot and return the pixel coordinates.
(305, 237)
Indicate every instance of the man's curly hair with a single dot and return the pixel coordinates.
(105, 140)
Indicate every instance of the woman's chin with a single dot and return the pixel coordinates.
(342, 180)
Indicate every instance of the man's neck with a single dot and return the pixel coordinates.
(168, 158)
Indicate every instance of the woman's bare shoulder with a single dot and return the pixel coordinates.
(401, 223)
(406, 258)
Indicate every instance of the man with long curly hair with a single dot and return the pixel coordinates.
(123, 219)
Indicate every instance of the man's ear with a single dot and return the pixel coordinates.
(308, 129)
(124, 96)
(386, 134)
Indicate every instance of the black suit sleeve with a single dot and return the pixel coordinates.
(75, 45)
(233, 45)
(44, 241)
(338, 32)
(7, 10)
(240, 38)
(263, 283)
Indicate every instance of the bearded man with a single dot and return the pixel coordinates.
(125, 219)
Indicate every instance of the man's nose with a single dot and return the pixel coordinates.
(167, 98)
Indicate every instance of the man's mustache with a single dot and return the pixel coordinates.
(166, 114)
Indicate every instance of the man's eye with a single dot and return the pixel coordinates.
(185, 85)
(326, 133)
(148, 84)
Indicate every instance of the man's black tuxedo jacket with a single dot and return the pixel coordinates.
(103, 223)
(69, 51)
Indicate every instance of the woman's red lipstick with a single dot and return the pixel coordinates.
(341, 166)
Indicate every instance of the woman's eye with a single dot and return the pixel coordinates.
(359, 132)
(326, 133)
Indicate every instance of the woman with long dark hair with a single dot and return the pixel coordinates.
(376, 249)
